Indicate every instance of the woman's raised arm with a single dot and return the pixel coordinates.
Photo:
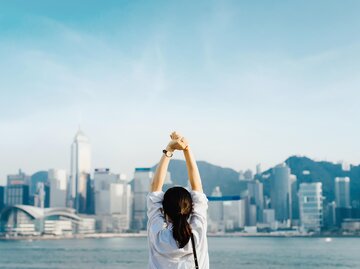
(162, 167)
(193, 171)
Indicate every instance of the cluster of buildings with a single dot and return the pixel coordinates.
(56, 202)
(86, 201)
(291, 206)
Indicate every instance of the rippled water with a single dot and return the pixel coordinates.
(225, 253)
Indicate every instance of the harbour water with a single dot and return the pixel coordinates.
(225, 253)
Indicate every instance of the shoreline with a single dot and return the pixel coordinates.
(143, 235)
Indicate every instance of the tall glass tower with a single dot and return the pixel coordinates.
(80, 171)
(281, 192)
(342, 192)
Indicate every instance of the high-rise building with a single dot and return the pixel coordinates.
(294, 200)
(258, 169)
(80, 171)
(17, 195)
(330, 215)
(39, 196)
(35, 179)
(342, 192)
(113, 201)
(269, 218)
(256, 197)
(234, 214)
(18, 179)
(2, 197)
(142, 181)
(40, 176)
(17, 190)
(311, 206)
(281, 193)
(216, 210)
(58, 184)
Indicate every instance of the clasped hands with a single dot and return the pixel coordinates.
(177, 142)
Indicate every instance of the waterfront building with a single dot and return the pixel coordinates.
(58, 187)
(294, 200)
(216, 211)
(142, 181)
(35, 179)
(234, 214)
(80, 172)
(330, 215)
(342, 192)
(2, 197)
(251, 214)
(39, 197)
(269, 218)
(58, 227)
(311, 206)
(18, 179)
(351, 225)
(17, 195)
(22, 220)
(113, 200)
(281, 193)
(256, 197)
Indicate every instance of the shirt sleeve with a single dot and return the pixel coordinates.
(200, 206)
(155, 216)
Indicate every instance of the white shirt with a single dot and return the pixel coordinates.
(163, 250)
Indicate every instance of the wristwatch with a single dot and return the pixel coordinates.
(168, 154)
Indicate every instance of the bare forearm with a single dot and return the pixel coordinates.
(160, 174)
(193, 171)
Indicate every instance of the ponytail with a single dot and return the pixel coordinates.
(181, 230)
(177, 205)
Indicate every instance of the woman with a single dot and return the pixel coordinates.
(177, 219)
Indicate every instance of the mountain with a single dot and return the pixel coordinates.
(305, 169)
(211, 175)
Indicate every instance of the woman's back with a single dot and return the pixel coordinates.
(177, 215)
(164, 250)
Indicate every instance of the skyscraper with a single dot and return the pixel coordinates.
(256, 197)
(342, 199)
(294, 200)
(342, 192)
(2, 197)
(112, 201)
(216, 210)
(142, 181)
(17, 189)
(36, 178)
(80, 171)
(58, 182)
(281, 192)
(311, 206)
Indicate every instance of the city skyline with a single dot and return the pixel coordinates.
(246, 84)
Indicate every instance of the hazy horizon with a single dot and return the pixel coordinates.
(247, 83)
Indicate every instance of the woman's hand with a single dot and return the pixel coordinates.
(177, 142)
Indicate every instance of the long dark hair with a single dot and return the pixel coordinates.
(177, 205)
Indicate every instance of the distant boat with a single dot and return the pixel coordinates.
(328, 239)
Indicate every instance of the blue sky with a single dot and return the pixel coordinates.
(246, 81)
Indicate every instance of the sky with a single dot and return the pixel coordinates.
(246, 82)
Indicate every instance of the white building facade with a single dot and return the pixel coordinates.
(142, 181)
(80, 171)
(58, 187)
(311, 207)
(113, 201)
